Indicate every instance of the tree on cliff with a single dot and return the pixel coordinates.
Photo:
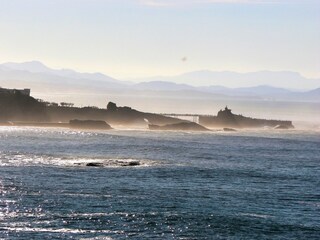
(65, 104)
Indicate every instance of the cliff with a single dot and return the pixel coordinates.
(16, 107)
(113, 115)
(20, 107)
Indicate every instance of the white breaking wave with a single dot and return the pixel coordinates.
(20, 159)
(57, 230)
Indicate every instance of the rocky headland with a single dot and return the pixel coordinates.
(19, 109)
(226, 119)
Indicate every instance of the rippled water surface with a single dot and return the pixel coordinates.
(159, 185)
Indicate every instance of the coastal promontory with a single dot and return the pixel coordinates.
(17, 107)
(22, 109)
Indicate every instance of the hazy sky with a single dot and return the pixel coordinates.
(140, 38)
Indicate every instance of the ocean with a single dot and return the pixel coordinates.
(159, 185)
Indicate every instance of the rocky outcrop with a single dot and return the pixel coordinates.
(183, 126)
(226, 119)
(94, 164)
(114, 163)
(16, 106)
(229, 130)
(113, 115)
(89, 124)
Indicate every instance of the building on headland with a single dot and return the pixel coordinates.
(226, 119)
(25, 91)
(225, 113)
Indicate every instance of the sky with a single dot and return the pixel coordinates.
(141, 38)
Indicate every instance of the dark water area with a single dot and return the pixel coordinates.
(242, 185)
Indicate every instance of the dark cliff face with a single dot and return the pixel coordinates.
(226, 118)
(19, 107)
(129, 116)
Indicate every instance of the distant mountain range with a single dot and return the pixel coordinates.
(40, 78)
(264, 85)
(38, 67)
(279, 79)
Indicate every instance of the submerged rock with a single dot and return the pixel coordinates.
(182, 126)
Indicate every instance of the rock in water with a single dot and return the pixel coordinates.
(130, 164)
(94, 164)
(183, 126)
(229, 130)
(89, 124)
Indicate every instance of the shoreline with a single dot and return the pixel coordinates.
(34, 124)
(121, 128)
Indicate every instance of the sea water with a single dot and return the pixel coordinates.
(240, 185)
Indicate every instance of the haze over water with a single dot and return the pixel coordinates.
(259, 58)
